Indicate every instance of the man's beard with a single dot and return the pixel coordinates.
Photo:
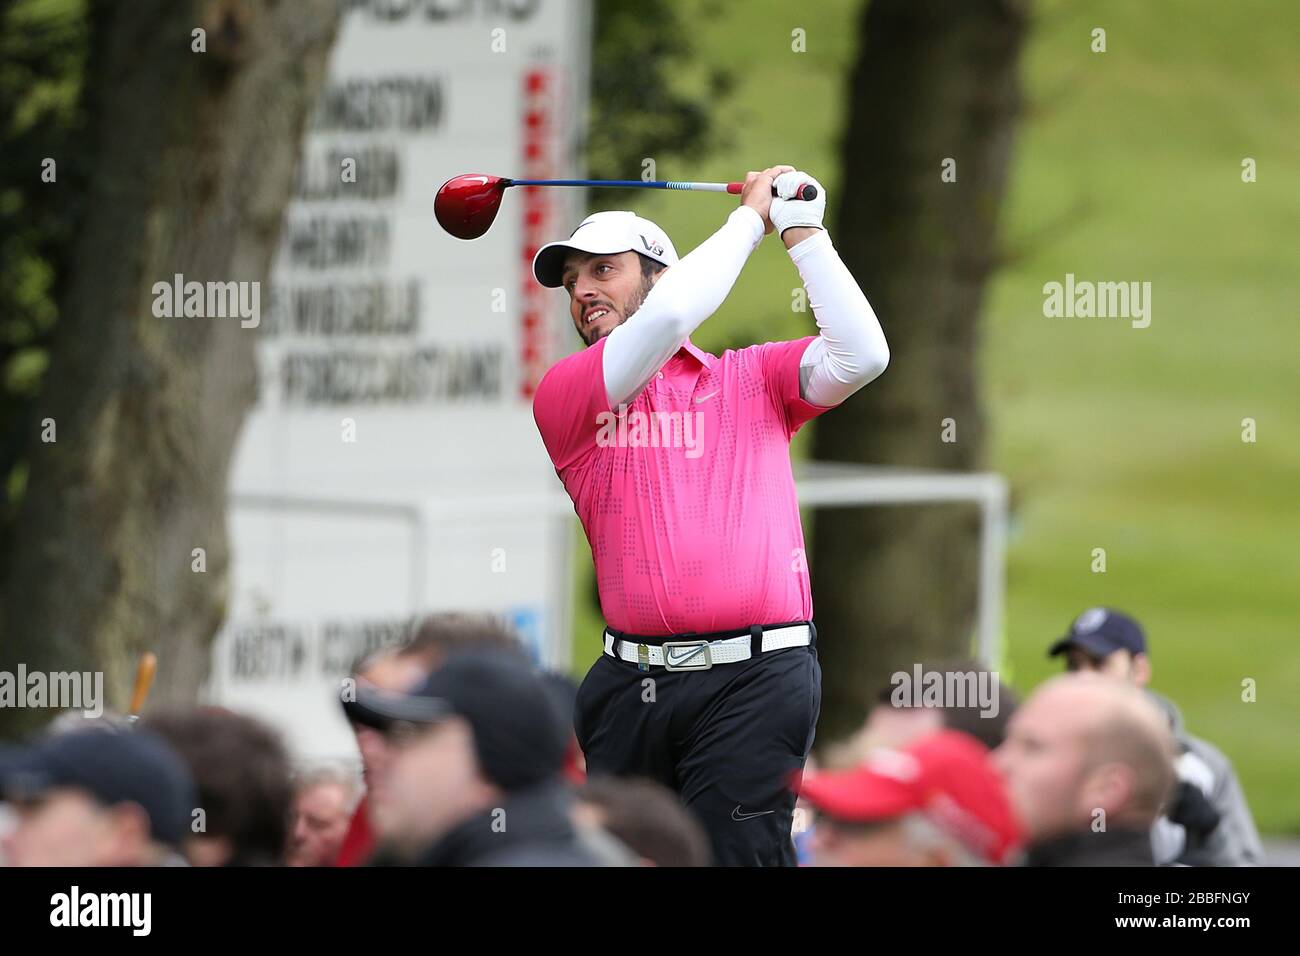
(630, 307)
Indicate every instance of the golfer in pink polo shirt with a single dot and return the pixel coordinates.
(678, 465)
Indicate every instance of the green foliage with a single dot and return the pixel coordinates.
(652, 97)
(43, 46)
(1130, 439)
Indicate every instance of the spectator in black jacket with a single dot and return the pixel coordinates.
(473, 775)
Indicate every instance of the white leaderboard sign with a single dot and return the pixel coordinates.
(394, 424)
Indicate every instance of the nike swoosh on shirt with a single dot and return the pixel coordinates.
(740, 817)
(704, 398)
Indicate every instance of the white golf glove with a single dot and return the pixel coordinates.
(786, 212)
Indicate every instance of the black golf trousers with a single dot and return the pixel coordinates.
(730, 740)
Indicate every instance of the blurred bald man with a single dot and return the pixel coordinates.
(1089, 766)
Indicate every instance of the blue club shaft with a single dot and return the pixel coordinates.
(622, 184)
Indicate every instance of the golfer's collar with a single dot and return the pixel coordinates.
(701, 356)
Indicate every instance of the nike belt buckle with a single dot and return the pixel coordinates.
(687, 656)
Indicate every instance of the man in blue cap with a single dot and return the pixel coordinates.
(96, 798)
(1208, 823)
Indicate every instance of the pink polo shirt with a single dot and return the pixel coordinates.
(688, 500)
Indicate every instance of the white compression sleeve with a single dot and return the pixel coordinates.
(850, 348)
(683, 297)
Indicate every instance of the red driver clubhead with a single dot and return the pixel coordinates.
(466, 205)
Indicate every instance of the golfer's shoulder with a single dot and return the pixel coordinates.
(765, 358)
(568, 380)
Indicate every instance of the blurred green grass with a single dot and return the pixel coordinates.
(1130, 439)
(1127, 168)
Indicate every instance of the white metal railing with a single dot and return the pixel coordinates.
(820, 485)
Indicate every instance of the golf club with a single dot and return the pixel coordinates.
(466, 205)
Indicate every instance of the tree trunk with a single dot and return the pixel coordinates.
(895, 585)
(195, 154)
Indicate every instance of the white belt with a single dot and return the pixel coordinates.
(701, 655)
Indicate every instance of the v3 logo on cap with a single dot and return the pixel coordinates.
(1090, 620)
(604, 233)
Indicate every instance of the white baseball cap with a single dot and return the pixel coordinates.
(604, 233)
